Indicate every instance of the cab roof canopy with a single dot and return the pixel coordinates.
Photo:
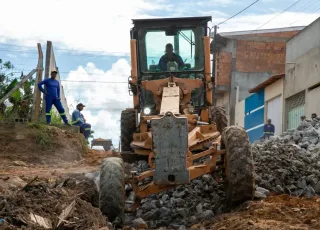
(159, 23)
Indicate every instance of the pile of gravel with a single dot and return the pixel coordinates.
(290, 163)
(184, 206)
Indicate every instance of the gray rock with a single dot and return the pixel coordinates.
(139, 223)
(165, 197)
(164, 212)
(177, 194)
(317, 188)
(193, 220)
(310, 192)
(259, 195)
(199, 208)
(206, 215)
(179, 202)
(183, 212)
(206, 206)
(279, 189)
(151, 215)
(159, 203)
(266, 192)
(302, 184)
(207, 178)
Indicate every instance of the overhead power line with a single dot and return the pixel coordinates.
(69, 52)
(238, 12)
(314, 6)
(108, 82)
(279, 14)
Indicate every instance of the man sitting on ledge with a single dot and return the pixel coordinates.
(79, 120)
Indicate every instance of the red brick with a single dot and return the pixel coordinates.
(255, 56)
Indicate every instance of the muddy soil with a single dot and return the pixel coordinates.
(276, 212)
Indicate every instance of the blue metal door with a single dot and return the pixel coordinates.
(254, 115)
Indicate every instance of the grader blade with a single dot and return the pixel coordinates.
(170, 148)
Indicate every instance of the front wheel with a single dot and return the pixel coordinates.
(112, 190)
(240, 170)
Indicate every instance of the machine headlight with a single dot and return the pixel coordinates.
(147, 111)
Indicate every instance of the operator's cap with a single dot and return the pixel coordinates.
(54, 71)
(80, 104)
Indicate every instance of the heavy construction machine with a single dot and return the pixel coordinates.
(173, 122)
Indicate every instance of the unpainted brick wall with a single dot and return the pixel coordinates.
(223, 68)
(255, 56)
(262, 56)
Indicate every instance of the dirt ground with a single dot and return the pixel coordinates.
(56, 177)
(275, 212)
(42, 173)
(52, 190)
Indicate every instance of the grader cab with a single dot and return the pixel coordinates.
(173, 122)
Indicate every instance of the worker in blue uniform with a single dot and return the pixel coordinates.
(52, 97)
(268, 129)
(79, 120)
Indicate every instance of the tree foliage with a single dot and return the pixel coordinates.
(21, 99)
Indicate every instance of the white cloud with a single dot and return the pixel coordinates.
(252, 22)
(103, 25)
(77, 24)
(104, 101)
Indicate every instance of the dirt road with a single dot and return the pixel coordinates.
(60, 182)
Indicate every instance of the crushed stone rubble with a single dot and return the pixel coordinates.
(290, 163)
(183, 206)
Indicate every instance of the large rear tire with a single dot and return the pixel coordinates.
(240, 170)
(112, 190)
(128, 128)
(219, 116)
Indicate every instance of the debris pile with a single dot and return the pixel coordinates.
(290, 163)
(64, 203)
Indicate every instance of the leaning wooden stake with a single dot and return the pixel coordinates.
(24, 79)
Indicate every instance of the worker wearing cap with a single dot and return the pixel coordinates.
(314, 116)
(79, 120)
(52, 97)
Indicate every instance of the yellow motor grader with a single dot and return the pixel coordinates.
(173, 122)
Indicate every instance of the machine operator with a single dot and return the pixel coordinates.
(169, 56)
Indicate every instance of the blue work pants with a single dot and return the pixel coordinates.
(85, 128)
(57, 103)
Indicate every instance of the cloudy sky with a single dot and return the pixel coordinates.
(91, 41)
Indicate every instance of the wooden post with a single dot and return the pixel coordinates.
(37, 93)
(46, 72)
(24, 79)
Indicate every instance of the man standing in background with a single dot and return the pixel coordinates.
(268, 130)
(52, 97)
